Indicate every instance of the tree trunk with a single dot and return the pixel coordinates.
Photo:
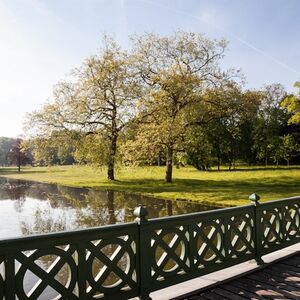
(19, 161)
(169, 165)
(113, 145)
(111, 158)
(266, 162)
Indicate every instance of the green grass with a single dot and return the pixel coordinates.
(219, 188)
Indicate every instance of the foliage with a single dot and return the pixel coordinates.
(165, 101)
(292, 104)
(199, 149)
(18, 154)
(92, 149)
(98, 100)
(177, 71)
(270, 121)
(290, 148)
(5, 145)
(53, 150)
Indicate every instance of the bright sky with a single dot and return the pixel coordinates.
(42, 40)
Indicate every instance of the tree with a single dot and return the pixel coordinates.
(198, 148)
(276, 149)
(272, 117)
(176, 72)
(290, 148)
(55, 149)
(226, 117)
(99, 100)
(292, 104)
(18, 155)
(5, 145)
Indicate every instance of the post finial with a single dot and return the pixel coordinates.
(254, 198)
(140, 213)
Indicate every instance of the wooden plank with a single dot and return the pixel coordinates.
(264, 289)
(246, 287)
(211, 296)
(283, 282)
(274, 286)
(293, 261)
(286, 268)
(241, 291)
(291, 279)
(278, 281)
(257, 290)
(224, 293)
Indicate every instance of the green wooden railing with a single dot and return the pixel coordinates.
(134, 259)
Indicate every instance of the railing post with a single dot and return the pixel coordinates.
(258, 228)
(143, 252)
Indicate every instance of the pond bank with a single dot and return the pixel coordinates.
(210, 188)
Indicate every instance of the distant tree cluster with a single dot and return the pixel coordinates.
(166, 101)
(14, 152)
(5, 145)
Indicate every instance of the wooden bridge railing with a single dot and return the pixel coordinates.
(128, 260)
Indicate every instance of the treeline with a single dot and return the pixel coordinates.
(14, 152)
(166, 101)
(5, 146)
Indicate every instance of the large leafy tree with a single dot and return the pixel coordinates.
(98, 100)
(176, 71)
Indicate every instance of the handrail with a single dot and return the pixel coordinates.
(123, 261)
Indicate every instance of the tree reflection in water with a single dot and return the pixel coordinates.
(45, 208)
(43, 221)
(14, 190)
(67, 208)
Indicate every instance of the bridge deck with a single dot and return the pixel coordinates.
(244, 281)
(277, 281)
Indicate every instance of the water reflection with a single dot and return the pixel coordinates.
(29, 208)
(38, 208)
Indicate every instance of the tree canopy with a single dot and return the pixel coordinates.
(164, 101)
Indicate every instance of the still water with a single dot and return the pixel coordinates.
(30, 207)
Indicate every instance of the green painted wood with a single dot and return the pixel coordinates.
(128, 260)
(9, 279)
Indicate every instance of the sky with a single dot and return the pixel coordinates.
(41, 41)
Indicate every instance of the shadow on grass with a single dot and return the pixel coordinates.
(224, 189)
(255, 169)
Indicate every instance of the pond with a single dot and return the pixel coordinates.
(31, 207)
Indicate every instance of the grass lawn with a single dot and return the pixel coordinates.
(213, 187)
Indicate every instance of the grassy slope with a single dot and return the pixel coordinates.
(221, 188)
